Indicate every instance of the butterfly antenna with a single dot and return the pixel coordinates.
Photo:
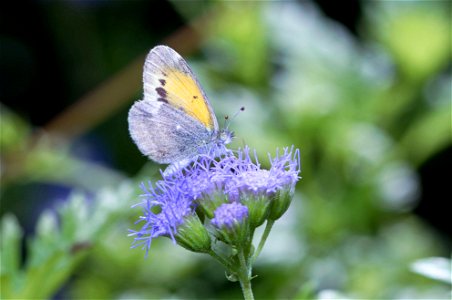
(228, 121)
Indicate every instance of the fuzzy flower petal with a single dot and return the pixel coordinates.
(250, 177)
(229, 214)
(165, 208)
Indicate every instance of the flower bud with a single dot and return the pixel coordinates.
(210, 202)
(192, 235)
(257, 208)
(231, 223)
(280, 202)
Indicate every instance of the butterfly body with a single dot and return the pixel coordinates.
(174, 123)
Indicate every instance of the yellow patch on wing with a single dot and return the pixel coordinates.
(181, 90)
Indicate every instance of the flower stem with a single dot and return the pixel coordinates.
(220, 259)
(244, 275)
(268, 228)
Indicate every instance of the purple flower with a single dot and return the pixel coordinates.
(165, 208)
(228, 215)
(231, 223)
(282, 174)
(200, 179)
(226, 190)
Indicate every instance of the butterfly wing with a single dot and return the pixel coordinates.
(175, 118)
(168, 78)
(166, 135)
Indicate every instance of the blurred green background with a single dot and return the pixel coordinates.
(363, 89)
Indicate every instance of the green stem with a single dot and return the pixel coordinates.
(268, 228)
(245, 277)
(223, 261)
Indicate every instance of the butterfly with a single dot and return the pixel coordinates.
(174, 123)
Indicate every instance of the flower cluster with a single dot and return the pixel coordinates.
(224, 199)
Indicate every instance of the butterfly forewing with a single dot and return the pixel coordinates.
(168, 79)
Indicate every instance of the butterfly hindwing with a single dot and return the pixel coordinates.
(167, 135)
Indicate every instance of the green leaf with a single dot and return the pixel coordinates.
(62, 240)
(10, 245)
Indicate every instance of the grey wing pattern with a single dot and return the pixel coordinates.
(165, 134)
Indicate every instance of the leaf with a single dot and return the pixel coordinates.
(63, 238)
(10, 245)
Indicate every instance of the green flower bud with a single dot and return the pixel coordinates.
(280, 202)
(192, 235)
(257, 208)
(208, 203)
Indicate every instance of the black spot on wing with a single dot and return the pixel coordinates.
(161, 91)
(162, 100)
(195, 97)
(162, 81)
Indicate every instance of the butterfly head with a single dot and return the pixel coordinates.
(217, 146)
(225, 136)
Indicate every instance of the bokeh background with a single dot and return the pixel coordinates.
(362, 88)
